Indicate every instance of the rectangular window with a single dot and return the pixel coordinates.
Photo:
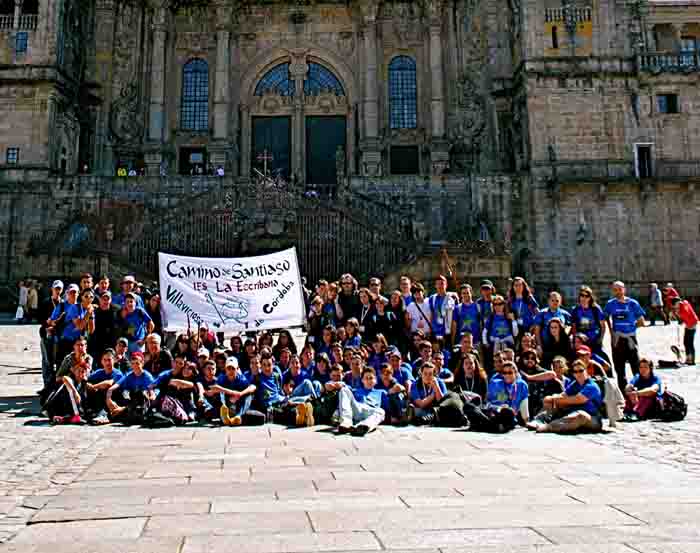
(12, 156)
(21, 40)
(404, 160)
(555, 38)
(667, 103)
(643, 161)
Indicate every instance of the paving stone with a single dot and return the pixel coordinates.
(227, 523)
(287, 543)
(577, 535)
(68, 532)
(504, 538)
(112, 511)
(673, 513)
(484, 517)
(327, 503)
(667, 547)
(141, 545)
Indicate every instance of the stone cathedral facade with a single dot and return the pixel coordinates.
(565, 131)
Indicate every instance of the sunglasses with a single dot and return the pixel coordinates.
(498, 303)
(584, 295)
(578, 371)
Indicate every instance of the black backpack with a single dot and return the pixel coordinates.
(673, 407)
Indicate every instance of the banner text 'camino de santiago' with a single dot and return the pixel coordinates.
(236, 294)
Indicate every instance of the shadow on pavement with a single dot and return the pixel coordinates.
(20, 406)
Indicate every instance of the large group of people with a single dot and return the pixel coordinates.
(462, 358)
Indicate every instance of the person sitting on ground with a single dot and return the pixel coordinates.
(425, 350)
(176, 397)
(78, 356)
(540, 382)
(208, 395)
(433, 404)
(237, 394)
(298, 383)
(556, 342)
(137, 384)
(99, 382)
(397, 398)
(122, 361)
(322, 370)
(438, 359)
(67, 404)
(510, 391)
(360, 411)
(352, 330)
(271, 400)
(643, 393)
(158, 360)
(379, 354)
(466, 347)
(576, 409)
(470, 379)
(353, 378)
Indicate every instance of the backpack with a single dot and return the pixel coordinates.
(673, 407)
(137, 409)
(173, 409)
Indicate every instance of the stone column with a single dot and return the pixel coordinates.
(18, 13)
(298, 68)
(371, 151)
(439, 148)
(246, 140)
(221, 78)
(157, 101)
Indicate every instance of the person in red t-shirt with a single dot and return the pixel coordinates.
(669, 292)
(685, 313)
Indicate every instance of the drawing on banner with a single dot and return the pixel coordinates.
(260, 292)
(234, 309)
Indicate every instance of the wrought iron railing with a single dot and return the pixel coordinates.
(669, 62)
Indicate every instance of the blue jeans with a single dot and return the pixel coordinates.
(305, 391)
(240, 407)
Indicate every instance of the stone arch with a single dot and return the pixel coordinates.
(297, 58)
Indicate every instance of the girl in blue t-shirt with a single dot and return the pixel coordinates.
(500, 330)
(588, 318)
(522, 304)
(466, 316)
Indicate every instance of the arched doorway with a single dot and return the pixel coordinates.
(299, 121)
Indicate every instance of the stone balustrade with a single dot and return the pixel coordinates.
(669, 62)
(7, 22)
(28, 22)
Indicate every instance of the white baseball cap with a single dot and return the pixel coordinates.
(57, 284)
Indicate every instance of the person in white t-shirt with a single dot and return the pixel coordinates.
(419, 311)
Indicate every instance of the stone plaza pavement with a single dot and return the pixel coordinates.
(275, 490)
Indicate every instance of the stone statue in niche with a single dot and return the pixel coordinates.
(125, 121)
(470, 120)
(339, 163)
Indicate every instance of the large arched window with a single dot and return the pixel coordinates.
(319, 79)
(194, 114)
(276, 81)
(403, 93)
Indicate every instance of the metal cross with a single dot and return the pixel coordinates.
(265, 157)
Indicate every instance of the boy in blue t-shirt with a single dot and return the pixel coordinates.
(360, 411)
(99, 382)
(625, 315)
(136, 383)
(237, 393)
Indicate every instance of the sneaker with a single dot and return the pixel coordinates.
(224, 415)
(360, 430)
(58, 420)
(309, 418)
(533, 425)
(301, 414)
(75, 419)
(236, 421)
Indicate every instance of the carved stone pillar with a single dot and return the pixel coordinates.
(298, 68)
(18, 13)
(246, 139)
(371, 152)
(157, 102)
(221, 76)
(439, 148)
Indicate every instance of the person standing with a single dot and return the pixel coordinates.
(48, 335)
(22, 301)
(669, 292)
(442, 306)
(32, 302)
(686, 314)
(656, 305)
(624, 315)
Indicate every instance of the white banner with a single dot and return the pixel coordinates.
(234, 294)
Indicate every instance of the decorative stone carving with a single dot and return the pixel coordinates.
(346, 44)
(470, 121)
(327, 102)
(125, 120)
(434, 11)
(368, 11)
